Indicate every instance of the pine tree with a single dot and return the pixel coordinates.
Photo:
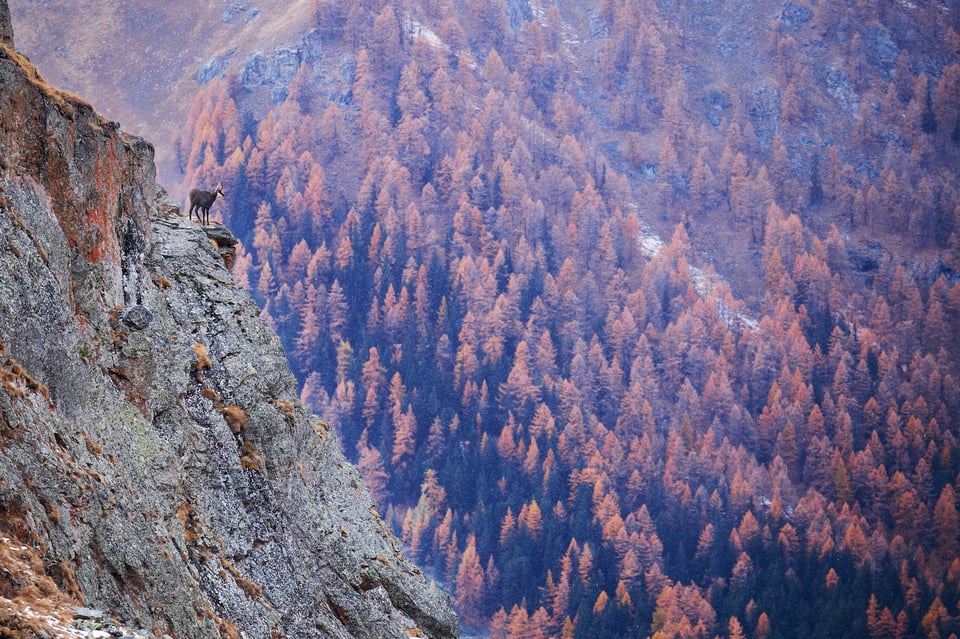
(470, 585)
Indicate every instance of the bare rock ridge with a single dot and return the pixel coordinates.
(6, 26)
(155, 463)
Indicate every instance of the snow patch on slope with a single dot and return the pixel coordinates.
(704, 283)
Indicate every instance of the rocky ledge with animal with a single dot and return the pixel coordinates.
(201, 201)
(155, 462)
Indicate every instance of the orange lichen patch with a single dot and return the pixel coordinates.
(98, 226)
(87, 214)
(202, 362)
(102, 209)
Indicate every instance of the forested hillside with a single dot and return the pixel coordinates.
(452, 216)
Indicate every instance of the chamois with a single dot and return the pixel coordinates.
(201, 201)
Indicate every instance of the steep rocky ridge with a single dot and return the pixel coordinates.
(152, 449)
(146, 61)
(6, 26)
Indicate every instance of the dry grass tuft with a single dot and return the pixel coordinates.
(26, 586)
(250, 459)
(286, 408)
(235, 417)
(161, 282)
(202, 362)
(190, 522)
(17, 382)
(227, 629)
(250, 588)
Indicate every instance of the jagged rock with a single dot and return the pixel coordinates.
(519, 12)
(311, 45)
(214, 67)
(6, 25)
(153, 444)
(840, 87)
(717, 105)
(765, 115)
(255, 70)
(225, 242)
(80, 612)
(882, 51)
(136, 317)
(793, 15)
(279, 94)
(239, 11)
(275, 70)
(288, 63)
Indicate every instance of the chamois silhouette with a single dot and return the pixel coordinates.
(201, 201)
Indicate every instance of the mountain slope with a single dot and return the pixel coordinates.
(154, 453)
(485, 230)
(146, 61)
(454, 219)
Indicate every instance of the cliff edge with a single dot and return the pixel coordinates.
(155, 463)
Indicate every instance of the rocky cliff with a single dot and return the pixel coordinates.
(177, 46)
(155, 463)
(6, 26)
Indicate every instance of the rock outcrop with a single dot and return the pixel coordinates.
(155, 463)
(6, 26)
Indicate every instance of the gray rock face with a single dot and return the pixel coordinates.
(153, 446)
(6, 25)
(793, 15)
(840, 87)
(717, 105)
(215, 67)
(765, 114)
(882, 51)
(276, 71)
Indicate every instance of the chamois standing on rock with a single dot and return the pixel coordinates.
(201, 201)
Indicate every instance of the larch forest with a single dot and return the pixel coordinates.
(640, 319)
